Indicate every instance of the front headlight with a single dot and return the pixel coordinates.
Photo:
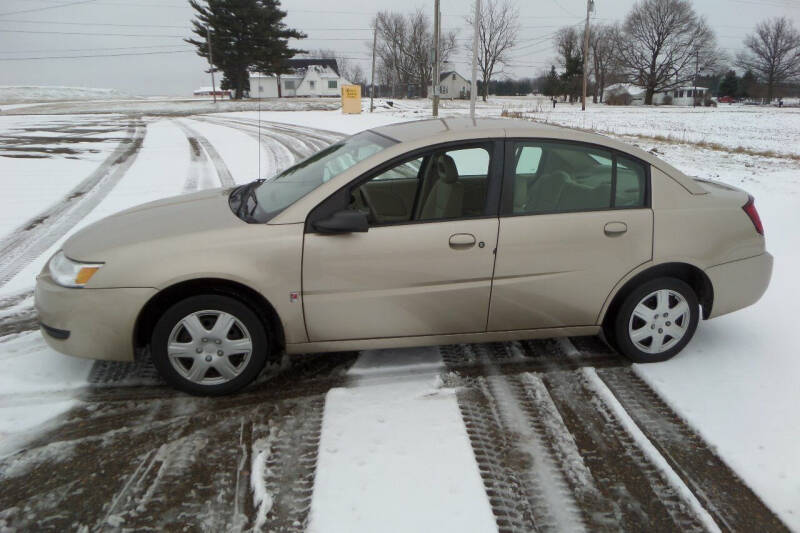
(69, 273)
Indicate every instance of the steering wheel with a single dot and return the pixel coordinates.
(368, 203)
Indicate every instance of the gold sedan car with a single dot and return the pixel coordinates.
(420, 233)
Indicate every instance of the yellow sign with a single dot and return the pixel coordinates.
(351, 99)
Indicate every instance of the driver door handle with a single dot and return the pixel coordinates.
(461, 241)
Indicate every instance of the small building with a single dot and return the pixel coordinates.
(452, 85)
(629, 94)
(681, 95)
(623, 94)
(309, 77)
(208, 91)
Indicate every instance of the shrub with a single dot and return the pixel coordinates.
(667, 100)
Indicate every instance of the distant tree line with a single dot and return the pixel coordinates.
(659, 46)
(662, 45)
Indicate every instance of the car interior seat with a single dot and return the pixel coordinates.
(445, 198)
(545, 193)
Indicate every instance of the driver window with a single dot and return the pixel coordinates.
(389, 196)
(442, 185)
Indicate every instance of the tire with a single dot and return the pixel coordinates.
(646, 336)
(196, 353)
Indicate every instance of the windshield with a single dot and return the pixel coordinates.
(278, 193)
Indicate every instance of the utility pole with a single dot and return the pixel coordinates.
(374, 45)
(696, 72)
(211, 65)
(474, 87)
(589, 7)
(435, 84)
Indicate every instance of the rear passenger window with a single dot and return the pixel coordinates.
(555, 177)
(568, 177)
(528, 159)
(631, 180)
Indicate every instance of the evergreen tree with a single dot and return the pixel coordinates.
(729, 85)
(747, 85)
(244, 34)
(552, 86)
(572, 77)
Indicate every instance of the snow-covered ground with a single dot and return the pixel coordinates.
(735, 384)
(14, 94)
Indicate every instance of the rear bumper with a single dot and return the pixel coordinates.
(89, 323)
(739, 283)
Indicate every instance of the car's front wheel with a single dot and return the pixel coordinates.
(656, 320)
(209, 345)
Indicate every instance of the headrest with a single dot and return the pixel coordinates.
(446, 168)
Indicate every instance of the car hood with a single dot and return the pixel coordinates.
(165, 219)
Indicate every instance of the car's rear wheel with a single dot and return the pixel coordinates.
(209, 345)
(656, 320)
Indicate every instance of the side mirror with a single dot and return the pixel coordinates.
(345, 221)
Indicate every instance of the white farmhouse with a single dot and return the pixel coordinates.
(309, 77)
(452, 85)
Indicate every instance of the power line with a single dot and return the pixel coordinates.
(45, 8)
(95, 34)
(94, 49)
(95, 56)
(95, 24)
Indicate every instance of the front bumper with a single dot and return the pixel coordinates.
(739, 283)
(91, 323)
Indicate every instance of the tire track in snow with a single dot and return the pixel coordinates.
(526, 487)
(731, 503)
(35, 236)
(277, 155)
(223, 174)
(285, 144)
(621, 470)
(296, 144)
(157, 459)
(551, 452)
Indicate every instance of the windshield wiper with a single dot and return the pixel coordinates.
(244, 195)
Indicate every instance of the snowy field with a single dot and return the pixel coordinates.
(394, 451)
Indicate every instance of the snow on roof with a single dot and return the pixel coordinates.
(629, 88)
(208, 89)
(443, 76)
(323, 71)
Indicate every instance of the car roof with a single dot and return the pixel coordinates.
(419, 129)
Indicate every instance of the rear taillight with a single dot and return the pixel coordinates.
(750, 209)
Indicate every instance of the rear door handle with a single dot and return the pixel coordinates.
(615, 228)
(460, 241)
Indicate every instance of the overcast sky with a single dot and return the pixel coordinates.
(165, 65)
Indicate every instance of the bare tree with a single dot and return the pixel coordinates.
(497, 36)
(394, 66)
(662, 44)
(420, 44)
(773, 52)
(601, 44)
(404, 49)
(348, 69)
